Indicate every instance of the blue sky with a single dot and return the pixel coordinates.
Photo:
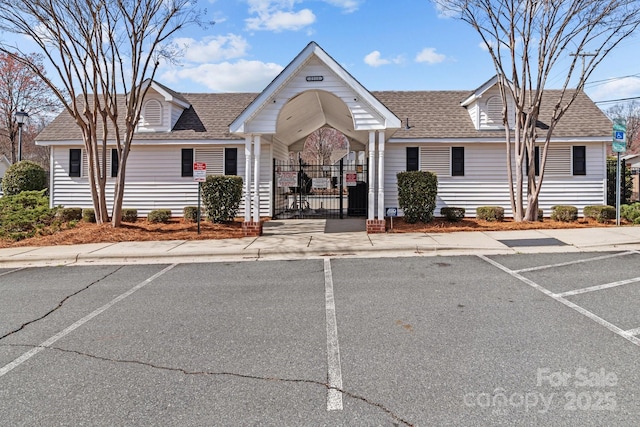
(384, 44)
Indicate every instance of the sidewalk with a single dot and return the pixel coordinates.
(295, 239)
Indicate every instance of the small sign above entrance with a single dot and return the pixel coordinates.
(351, 178)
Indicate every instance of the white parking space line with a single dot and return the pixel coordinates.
(599, 287)
(613, 328)
(635, 331)
(580, 261)
(334, 371)
(29, 354)
(12, 271)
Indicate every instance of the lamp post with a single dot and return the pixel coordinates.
(21, 118)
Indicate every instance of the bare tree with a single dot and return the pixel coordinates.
(22, 90)
(98, 49)
(321, 144)
(527, 40)
(630, 112)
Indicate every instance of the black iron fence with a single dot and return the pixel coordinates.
(303, 190)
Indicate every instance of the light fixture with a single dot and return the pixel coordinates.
(21, 118)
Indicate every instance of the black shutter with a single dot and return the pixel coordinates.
(457, 164)
(579, 160)
(75, 162)
(231, 161)
(114, 163)
(536, 160)
(187, 162)
(412, 158)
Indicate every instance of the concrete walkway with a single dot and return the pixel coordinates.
(295, 239)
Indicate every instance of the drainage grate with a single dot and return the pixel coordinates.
(550, 241)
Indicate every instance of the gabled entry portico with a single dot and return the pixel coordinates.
(311, 92)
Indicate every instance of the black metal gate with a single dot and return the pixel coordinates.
(302, 190)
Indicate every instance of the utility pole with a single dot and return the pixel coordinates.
(583, 55)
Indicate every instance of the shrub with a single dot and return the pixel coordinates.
(25, 215)
(88, 215)
(490, 213)
(417, 192)
(631, 212)
(452, 214)
(24, 176)
(540, 215)
(70, 214)
(221, 196)
(600, 213)
(564, 213)
(129, 215)
(159, 215)
(190, 213)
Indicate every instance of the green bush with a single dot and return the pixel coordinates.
(490, 213)
(129, 215)
(70, 214)
(25, 215)
(540, 215)
(631, 212)
(24, 176)
(88, 215)
(452, 214)
(221, 196)
(159, 215)
(190, 213)
(564, 213)
(417, 192)
(600, 213)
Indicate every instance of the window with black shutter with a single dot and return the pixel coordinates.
(231, 161)
(114, 163)
(457, 161)
(75, 162)
(187, 162)
(412, 158)
(579, 160)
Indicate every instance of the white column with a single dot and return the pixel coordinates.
(372, 175)
(381, 175)
(256, 178)
(247, 178)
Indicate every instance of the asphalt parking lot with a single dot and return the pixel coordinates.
(536, 339)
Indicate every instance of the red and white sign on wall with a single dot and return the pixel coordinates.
(351, 178)
(199, 171)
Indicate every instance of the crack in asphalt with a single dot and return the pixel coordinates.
(60, 304)
(229, 374)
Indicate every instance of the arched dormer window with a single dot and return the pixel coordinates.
(152, 113)
(494, 111)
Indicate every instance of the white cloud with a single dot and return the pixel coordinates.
(430, 56)
(617, 89)
(278, 15)
(241, 76)
(374, 59)
(347, 5)
(211, 49)
(485, 46)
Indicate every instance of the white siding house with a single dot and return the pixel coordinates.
(457, 134)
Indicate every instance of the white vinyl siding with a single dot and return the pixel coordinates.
(485, 180)
(436, 160)
(559, 161)
(213, 157)
(84, 171)
(153, 181)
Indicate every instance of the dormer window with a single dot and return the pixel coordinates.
(152, 113)
(493, 112)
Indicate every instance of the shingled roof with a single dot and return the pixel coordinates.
(431, 114)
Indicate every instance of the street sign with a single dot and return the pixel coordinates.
(199, 171)
(619, 144)
(351, 178)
